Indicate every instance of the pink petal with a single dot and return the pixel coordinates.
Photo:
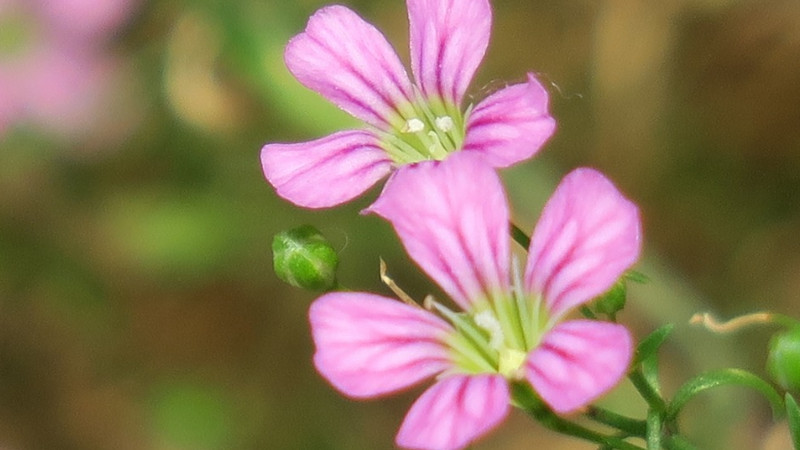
(350, 63)
(448, 41)
(64, 86)
(510, 125)
(87, 18)
(454, 412)
(327, 171)
(587, 236)
(452, 218)
(368, 345)
(577, 362)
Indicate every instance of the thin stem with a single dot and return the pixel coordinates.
(653, 430)
(650, 395)
(520, 236)
(527, 400)
(632, 427)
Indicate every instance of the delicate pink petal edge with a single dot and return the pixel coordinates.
(510, 125)
(349, 62)
(452, 218)
(577, 362)
(327, 171)
(587, 236)
(454, 412)
(368, 345)
(448, 40)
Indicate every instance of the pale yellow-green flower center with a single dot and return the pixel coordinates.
(426, 129)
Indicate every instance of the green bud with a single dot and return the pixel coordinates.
(783, 362)
(613, 300)
(303, 258)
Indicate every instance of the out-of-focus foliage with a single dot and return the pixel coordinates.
(138, 307)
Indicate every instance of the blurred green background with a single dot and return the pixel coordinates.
(138, 307)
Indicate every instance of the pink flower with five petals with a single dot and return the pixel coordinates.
(513, 326)
(350, 63)
(55, 70)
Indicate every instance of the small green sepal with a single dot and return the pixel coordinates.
(613, 300)
(304, 258)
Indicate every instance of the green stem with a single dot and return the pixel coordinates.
(650, 395)
(526, 400)
(678, 443)
(632, 427)
(653, 430)
(520, 236)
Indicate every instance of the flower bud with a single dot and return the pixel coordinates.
(303, 258)
(783, 362)
(613, 300)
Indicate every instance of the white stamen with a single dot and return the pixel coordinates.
(444, 123)
(414, 126)
(486, 320)
(518, 292)
(436, 147)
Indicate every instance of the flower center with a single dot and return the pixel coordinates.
(500, 333)
(499, 338)
(427, 129)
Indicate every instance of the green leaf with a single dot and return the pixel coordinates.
(793, 417)
(650, 345)
(724, 377)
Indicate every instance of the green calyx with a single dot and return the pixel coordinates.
(303, 258)
(427, 129)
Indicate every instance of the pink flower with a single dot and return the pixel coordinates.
(350, 63)
(512, 326)
(54, 68)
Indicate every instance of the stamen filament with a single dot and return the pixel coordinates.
(521, 300)
(470, 355)
(468, 330)
(399, 150)
(505, 312)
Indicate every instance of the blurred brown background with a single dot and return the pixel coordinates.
(138, 308)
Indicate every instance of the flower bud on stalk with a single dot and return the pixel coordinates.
(613, 300)
(783, 362)
(303, 258)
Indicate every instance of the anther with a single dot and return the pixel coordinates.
(413, 126)
(486, 320)
(444, 123)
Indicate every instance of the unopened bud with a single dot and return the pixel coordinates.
(783, 362)
(613, 300)
(303, 258)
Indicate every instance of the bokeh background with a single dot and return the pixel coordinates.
(138, 307)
